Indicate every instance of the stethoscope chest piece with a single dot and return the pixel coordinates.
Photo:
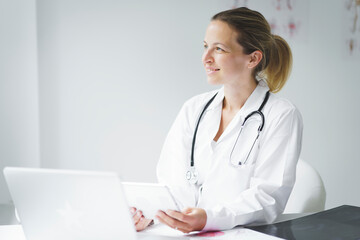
(192, 175)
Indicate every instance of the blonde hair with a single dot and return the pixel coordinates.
(255, 34)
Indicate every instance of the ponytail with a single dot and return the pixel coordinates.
(279, 64)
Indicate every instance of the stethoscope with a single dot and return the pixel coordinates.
(192, 174)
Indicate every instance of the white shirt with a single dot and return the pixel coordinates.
(253, 193)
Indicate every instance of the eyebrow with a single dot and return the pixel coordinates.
(218, 43)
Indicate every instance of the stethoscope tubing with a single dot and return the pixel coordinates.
(196, 129)
(259, 111)
(192, 175)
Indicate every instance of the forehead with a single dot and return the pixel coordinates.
(220, 32)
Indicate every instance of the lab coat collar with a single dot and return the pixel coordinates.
(252, 103)
(218, 100)
(255, 99)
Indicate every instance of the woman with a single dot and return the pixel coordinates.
(238, 175)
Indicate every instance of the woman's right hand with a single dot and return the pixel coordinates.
(139, 220)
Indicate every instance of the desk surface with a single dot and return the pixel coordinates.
(340, 223)
(10, 231)
(14, 232)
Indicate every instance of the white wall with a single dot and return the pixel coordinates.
(113, 75)
(325, 87)
(19, 131)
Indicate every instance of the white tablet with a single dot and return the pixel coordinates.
(149, 197)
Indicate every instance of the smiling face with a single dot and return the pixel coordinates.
(223, 57)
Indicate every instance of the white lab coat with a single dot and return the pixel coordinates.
(253, 193)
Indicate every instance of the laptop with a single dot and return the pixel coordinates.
(66, 204)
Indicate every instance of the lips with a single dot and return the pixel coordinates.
(211, 70)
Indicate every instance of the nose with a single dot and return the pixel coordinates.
(207, 56)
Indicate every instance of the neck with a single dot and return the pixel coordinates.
(236, 96)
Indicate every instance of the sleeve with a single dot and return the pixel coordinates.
(273, 178)
(175, 158)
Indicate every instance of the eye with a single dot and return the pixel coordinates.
(205, 46)
(219, 49)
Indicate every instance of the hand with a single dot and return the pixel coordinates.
(139, 220)
(190, 219)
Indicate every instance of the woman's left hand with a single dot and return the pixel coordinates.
(190, 219)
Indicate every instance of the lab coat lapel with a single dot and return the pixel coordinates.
(252, 104)
(255, 99)
(211, 120)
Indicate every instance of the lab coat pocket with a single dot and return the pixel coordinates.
(226, 183)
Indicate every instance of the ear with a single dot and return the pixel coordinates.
(255, 58)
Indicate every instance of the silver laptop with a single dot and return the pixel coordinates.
(65, 204)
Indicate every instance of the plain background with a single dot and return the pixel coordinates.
(90, 84)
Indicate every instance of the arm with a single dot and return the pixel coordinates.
(175, 158)
(273, 178)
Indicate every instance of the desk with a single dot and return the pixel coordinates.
(14, 232)
(10, 230)
(338, 223)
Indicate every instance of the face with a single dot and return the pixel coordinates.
(223, 57)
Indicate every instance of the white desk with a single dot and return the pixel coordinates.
(14, 232)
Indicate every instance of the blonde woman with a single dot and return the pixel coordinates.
(230, 156)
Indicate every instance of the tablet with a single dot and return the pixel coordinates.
(149, 197)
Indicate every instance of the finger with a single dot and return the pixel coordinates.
(171, 222)
(187, 210)
(137, 216)
(184, 230)
(163, 218)
(178, 215)
(133, 210)
(142, 224)
(146, 222)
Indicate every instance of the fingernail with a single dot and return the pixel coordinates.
(139, 214)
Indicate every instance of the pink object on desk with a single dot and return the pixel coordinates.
(210, 234)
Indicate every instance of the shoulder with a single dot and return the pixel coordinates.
(197, 102)
(277, 102)
(192, 108)
(280, 108)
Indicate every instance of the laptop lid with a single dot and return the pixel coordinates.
(66, 204)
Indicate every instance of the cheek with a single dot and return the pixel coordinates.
(232, 65)
(238, 64)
